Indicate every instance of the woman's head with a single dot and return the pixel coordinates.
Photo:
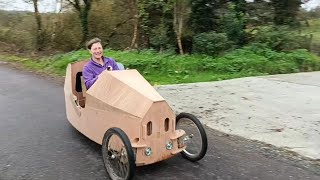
(95, 48)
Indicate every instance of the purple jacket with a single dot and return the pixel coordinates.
(92, 70)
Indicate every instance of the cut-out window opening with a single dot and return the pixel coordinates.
(149, 128)
(136, 140)
(166, 124)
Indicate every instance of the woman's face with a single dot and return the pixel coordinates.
(96, 50)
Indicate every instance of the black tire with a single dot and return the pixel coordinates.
(119, 161)
(187, 122)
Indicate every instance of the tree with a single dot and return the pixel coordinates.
(147, 10)
(260, 13)
(180, 12)
(83, 7)
(40, 31)
(153, 21)
(240, 11)
(134, 11)
(286, 11)
(204, 16)
(240, 7)
(162, 31)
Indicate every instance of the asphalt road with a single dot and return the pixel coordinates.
(37, 142)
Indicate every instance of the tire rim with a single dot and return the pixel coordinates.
(193, 138)
(117, 162)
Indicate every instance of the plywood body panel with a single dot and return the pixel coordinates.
(72, 110)
(75, 68)
(99, 117)
(159, 136)
(123, 99)
(126, 90)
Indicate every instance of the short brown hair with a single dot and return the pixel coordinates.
(92, 41)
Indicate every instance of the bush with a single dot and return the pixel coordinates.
(233, 24)
(263, 60)
(281, 39)
(305, 60)
(163, 68)
(211, 43)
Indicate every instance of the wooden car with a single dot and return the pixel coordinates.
(131, 120)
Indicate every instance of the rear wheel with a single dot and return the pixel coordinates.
(118, 155)
(195, 139)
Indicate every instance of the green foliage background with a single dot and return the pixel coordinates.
(222, 39)
(167, 68)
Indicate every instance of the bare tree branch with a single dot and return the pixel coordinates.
(115, 29)
(75, 4)
(70, 2)
(64, 6)
(87, 2)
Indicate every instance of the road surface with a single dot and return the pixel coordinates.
(37, 142)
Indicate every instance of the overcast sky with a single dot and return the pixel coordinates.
(311, 4)
(20, 5)
(51, 5)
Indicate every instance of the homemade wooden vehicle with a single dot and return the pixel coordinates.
(130, 119)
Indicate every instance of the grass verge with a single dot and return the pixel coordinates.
(161, 69)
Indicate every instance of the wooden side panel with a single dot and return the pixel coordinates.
(98, 117)
(72, 111)
(75, 68)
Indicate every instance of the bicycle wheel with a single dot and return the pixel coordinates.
(195, 139)
(118, 156)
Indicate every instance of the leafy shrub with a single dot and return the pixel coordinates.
(162, 68)
(251, 59)
(211, 43)
(21, 38)
(281, 39)
(263, 60)
(233, 24)
(305, 60)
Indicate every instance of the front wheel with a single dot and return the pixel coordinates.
(118, 156)
(195, 139)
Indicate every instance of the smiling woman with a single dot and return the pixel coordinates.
(97, 64)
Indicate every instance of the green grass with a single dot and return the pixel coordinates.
(196, 77)
(171, 69)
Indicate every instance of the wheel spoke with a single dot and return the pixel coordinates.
(195, 138)
(118, 161)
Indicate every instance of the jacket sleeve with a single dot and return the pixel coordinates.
(89, 77)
